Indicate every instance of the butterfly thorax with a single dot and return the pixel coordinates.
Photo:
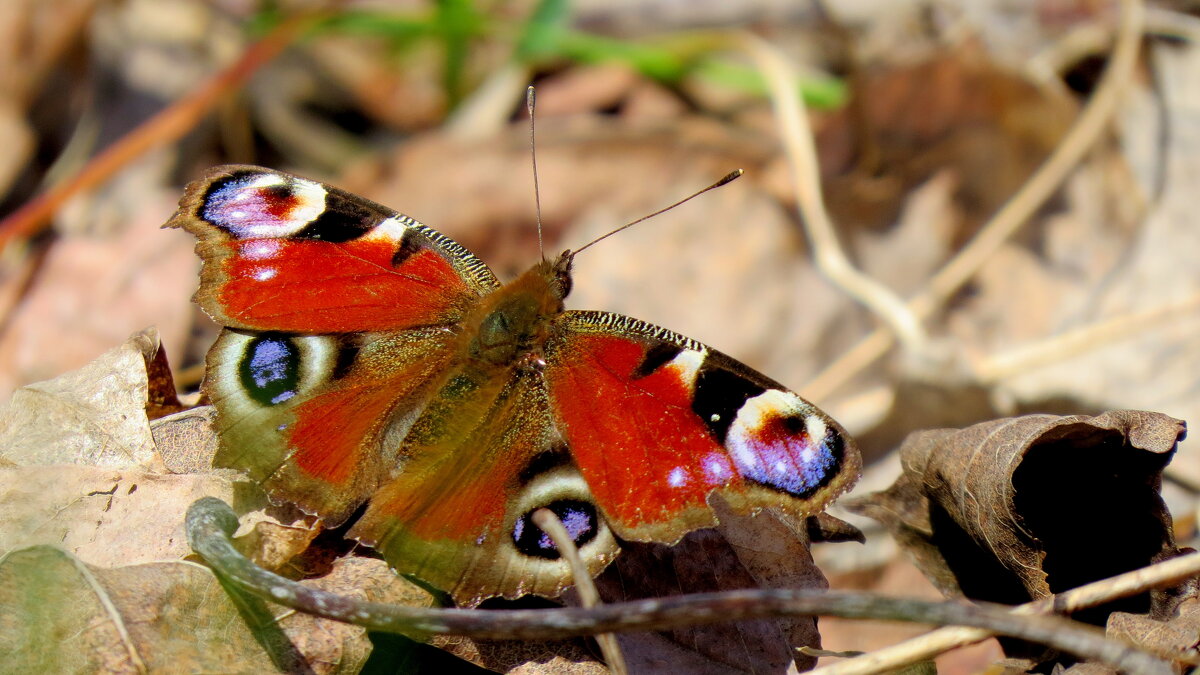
(513, 322)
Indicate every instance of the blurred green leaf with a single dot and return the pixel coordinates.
(395, 27)
(544, 31)
(545, 37)
(457, 23)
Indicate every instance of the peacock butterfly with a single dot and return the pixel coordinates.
(367, 357)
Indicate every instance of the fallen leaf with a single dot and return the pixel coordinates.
(109, 517)
(59, 615)
(1016, 509)
(762, 551)
(95, 415)
(186, 441)
(1177, 635)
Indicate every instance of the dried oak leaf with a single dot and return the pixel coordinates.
(84, 468)
(1178, 635)
(97, 415)
(1017, 509)
(108, 517)
(60, 615)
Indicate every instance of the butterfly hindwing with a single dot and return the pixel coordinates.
(318, 419)
(284, 253)
(485, 456)
(657, 422)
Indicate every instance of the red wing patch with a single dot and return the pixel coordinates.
(283, 253)
(657, 422)
(309, 416)
(318, 286)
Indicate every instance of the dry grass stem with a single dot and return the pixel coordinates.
(929, 645)
(1086, 131)
(1083, 339)
(588, 595)
(830, 258)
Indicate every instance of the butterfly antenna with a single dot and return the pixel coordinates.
(530, 101)
(728, 178)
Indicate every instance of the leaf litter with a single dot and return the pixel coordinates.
(1091, 256)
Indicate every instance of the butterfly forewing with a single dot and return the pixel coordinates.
(283, 253)
(658, 422)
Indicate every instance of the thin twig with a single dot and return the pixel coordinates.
(922, 648)
(796, 133)
(210, 522)
(588, 595)
(165, 127)
(1092, 336)
(1087, 129)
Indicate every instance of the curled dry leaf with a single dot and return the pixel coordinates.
(97, 415)
(1017, 509)
(60, 615)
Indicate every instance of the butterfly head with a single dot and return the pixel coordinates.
(560, 274)
(515, 321)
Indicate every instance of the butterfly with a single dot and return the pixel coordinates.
(368, 359)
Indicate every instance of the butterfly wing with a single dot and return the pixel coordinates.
(318, 419)
(283, 253)
(340, 317)
(484, 456)
(657, 422)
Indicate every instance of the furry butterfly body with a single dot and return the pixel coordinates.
(367, 358)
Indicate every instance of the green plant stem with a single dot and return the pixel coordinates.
(210, 522)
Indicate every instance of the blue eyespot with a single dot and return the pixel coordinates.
(270, 369)
(579, 517)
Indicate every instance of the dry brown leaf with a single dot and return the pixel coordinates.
(59, 615)
(186, 441)
(274, 545)
(748, 552)
(526, 657)
(1177, 635)
(1017, 509)
(108, 517)
(774, 548)
(95, 415)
